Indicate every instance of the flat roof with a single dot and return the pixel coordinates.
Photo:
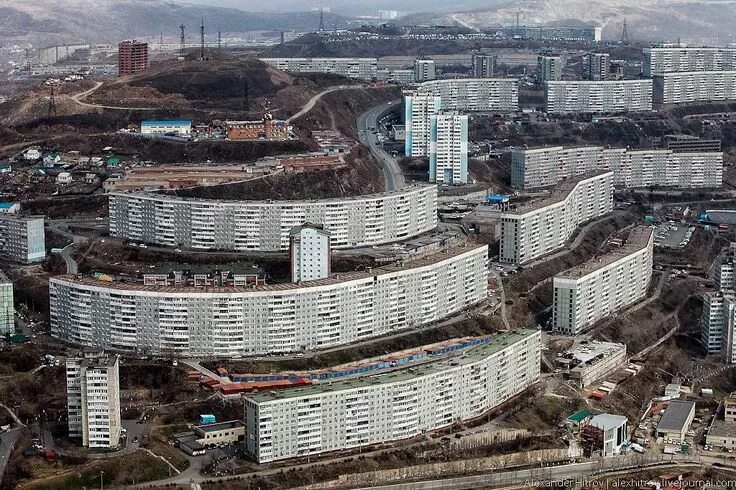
(558, 195)
(594, 348)
(165, 122)
(607, 421)
(441, 256)
(364, 197)
(500, 342)
(218, 426)
(675, 416)
(638, 240)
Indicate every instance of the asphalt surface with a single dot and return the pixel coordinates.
(7, 443)
(392, 173)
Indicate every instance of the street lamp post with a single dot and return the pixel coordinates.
(101, 480)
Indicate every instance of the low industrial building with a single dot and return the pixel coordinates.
(212, 435)
(605, 285)
(268, 129)
(394, 406)
(676, 420)
(722, 431)
(593, 361)
(141, 178)
(605, 435)
(178, 127)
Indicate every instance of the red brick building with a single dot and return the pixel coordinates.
(132, 57)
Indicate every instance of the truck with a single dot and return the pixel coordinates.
(637, 448)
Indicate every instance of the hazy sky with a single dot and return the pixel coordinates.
(352, 7)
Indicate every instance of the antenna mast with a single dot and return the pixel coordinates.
(625, 33)
(321, 20)
(201, 36)
(181, 41)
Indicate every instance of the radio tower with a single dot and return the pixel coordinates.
(625, 33)
(321, 20)
(219, 38)
(181, 41)
(201, 39)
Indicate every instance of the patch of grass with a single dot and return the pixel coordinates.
(134, 468)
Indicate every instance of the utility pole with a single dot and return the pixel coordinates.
(52, 102)
(201, 39)
(181, 41)
(246, 106)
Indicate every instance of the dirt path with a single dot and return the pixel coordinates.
(79, 100)
(313, 101)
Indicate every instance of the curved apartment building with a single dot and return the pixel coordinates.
(264, 225)
(538, 228)
(393, 406)
(228, 321)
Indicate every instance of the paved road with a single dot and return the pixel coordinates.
(7, 443)
(392, 173)
(71, 265)
(313, 101)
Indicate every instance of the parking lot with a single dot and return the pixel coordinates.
(672, 235)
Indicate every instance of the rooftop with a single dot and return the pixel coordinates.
(165, 122)
(558, 195)
(218, 426)
(446, 254)
(607, 421)
(675, 416)
(173, 198)
(471, 356)
(587, 352)
(638, 239)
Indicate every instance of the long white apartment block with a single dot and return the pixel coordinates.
(461, 94)
(594, 290)
(93, 400)
(448, 148)
(597, 97)
(359, 68)
(393, 406)
(541, 227)
(659, 60)
(544, 167)
(694, 86)
(264, 225)
(252, 320)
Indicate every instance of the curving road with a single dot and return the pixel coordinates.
(392, 173)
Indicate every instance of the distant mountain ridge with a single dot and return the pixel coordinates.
(107, 21)
(694, 21)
